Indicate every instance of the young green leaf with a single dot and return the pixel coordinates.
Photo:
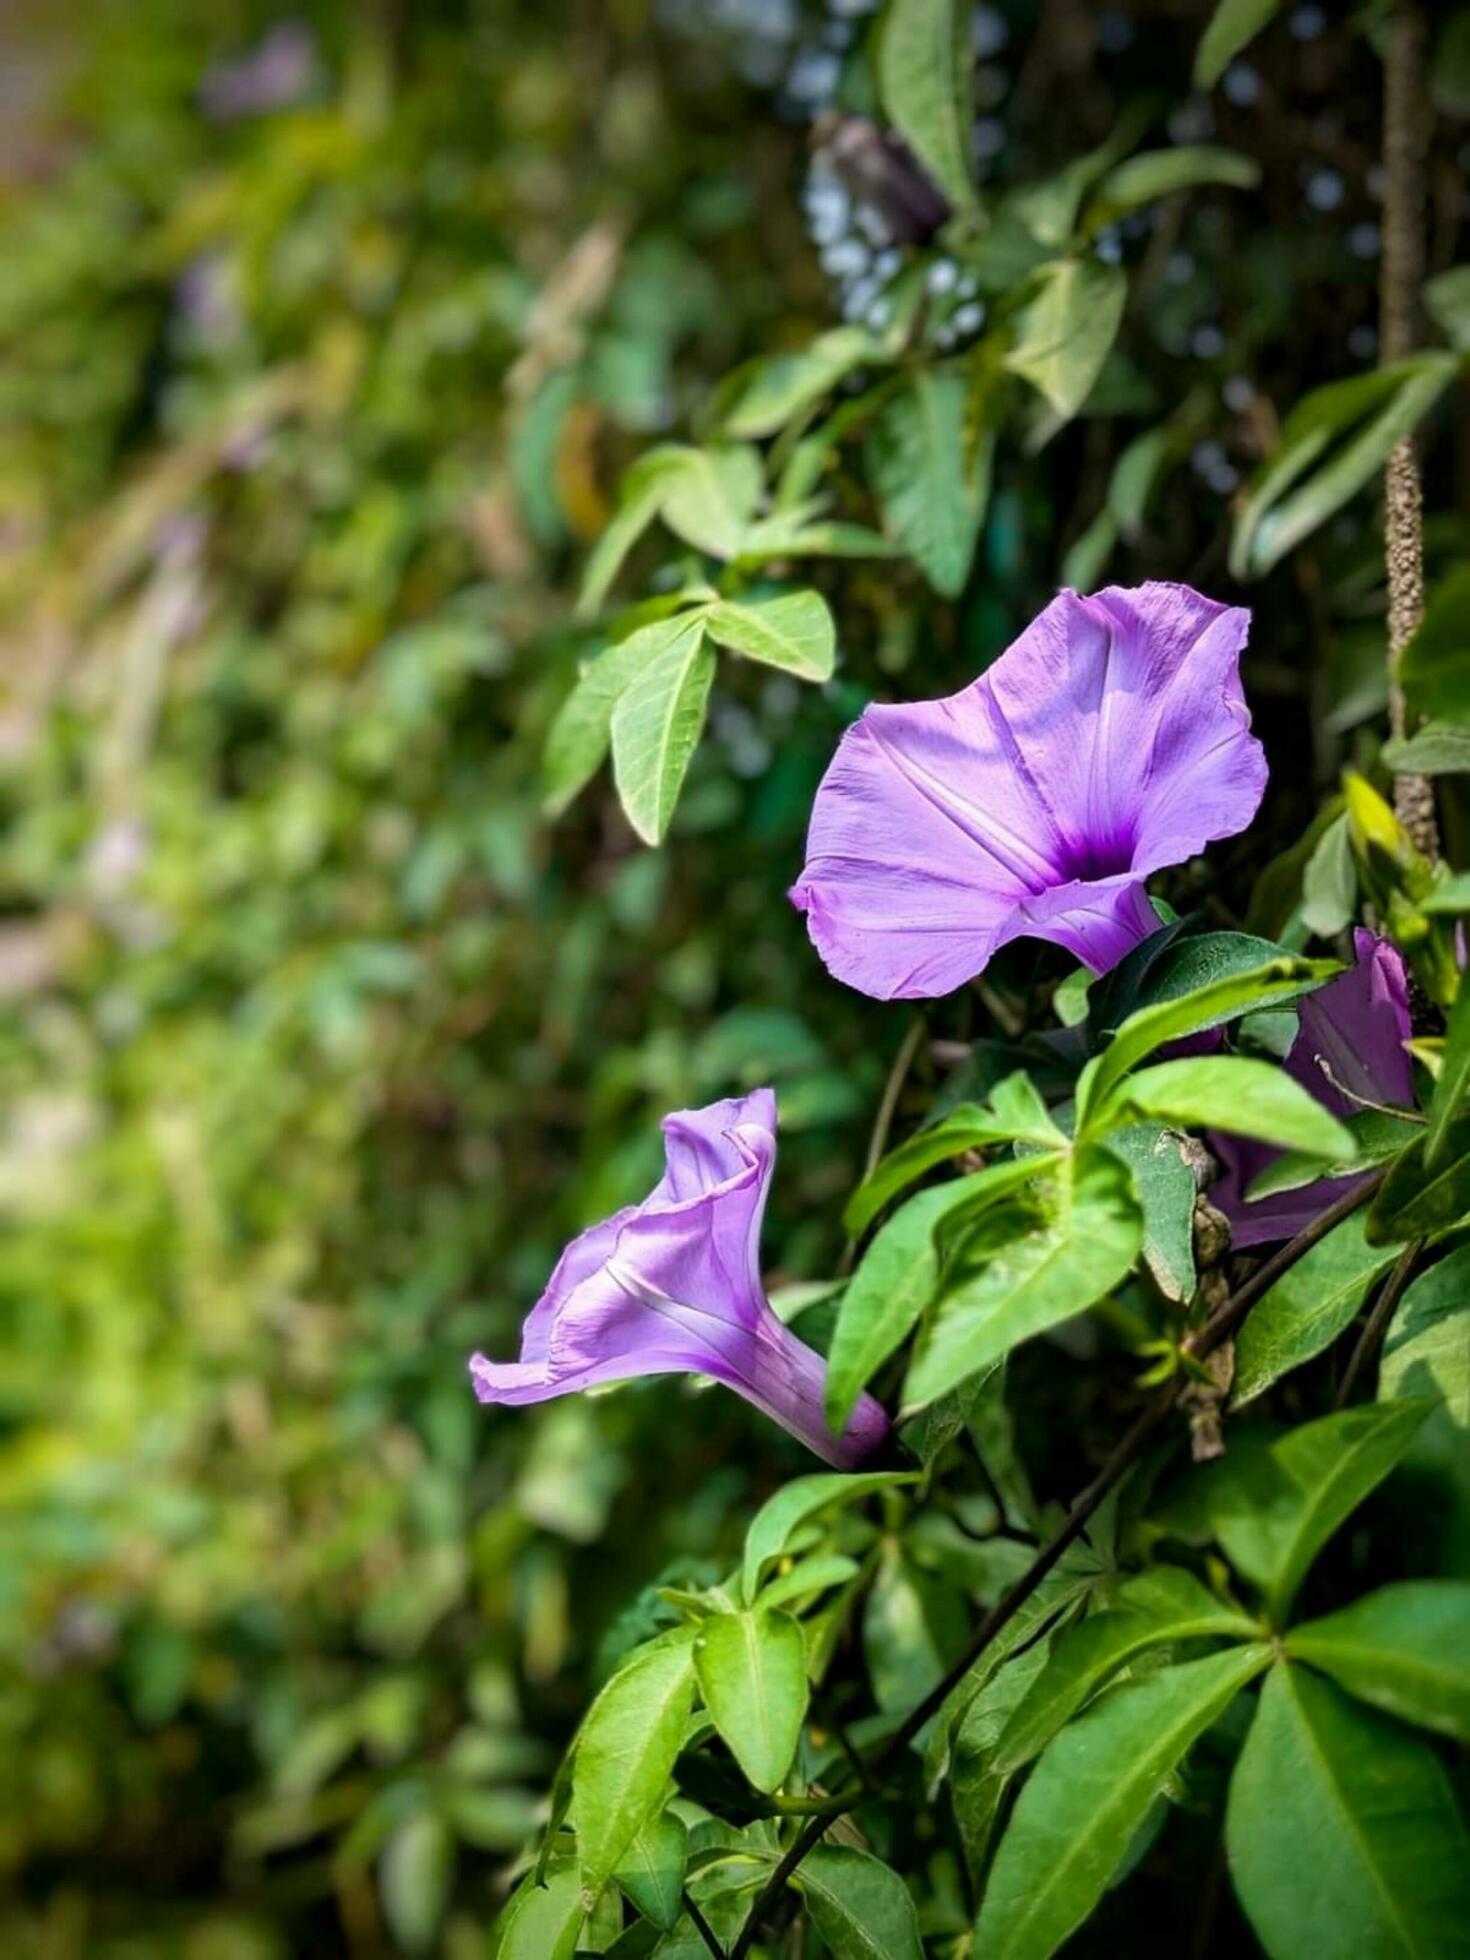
(1089, 1793)
(899, 1273)
(1162, 173)
(577, 740)
(1166, 1191)
(860, 1907)
(752, 1674)
(626, 1749)
(807, 1577)
(795, 1503)
(773, 391)
(1377, 1139)
(541, 1922)
(1366, 416)
(793, 632)
(1330, 882)
(656, 726)
(1014, 1112)
(1233, 24)
(1405, 1648)
(1064, 334)
(1058, 1268)
(924, 65)
(1452, 1084)
(1275, 1505)
(650, 1873)
(1416, 1199)
(1156, 1608)
(1342, 1831)
(1439, 748)
(1217, 1000)
(1225, 1092)
(1308, 1307)
(931, 479)
(710, 496)
(640, 498)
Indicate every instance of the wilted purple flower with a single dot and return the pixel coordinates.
(1110, 740)
(1349, 1044)
(278, 72)
(673, 1286)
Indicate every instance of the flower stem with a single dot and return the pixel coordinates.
(1220, 1327)
(1391, 1292)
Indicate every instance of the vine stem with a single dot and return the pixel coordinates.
(1404, 133)
(702, 1926)
(1220, 1327)
(1391, 1292)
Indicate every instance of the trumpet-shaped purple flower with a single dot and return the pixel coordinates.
(1110, 740)
(1349, 1050)
(673, 1286)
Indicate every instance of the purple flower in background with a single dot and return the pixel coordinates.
(1349, 1043)
(1110, 740)
(276, 73)
(673, 1286)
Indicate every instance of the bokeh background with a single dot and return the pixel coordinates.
(324, 337)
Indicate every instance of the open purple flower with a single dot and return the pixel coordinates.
(673, 1286)
(1349, 1051)
(1110, 740)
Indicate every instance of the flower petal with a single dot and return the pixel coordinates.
(1110, 740)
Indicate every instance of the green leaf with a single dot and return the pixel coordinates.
(1233, 25)
(1170, 964)
(1154, 1608)
(1452, 1084)
(1330, 882)
(1405, 1648)
(752, 1674)
(415, 1876)
(1275, 1505)
(898, 1274)
(577, 740)
(796, 1502)
(775, 390)
(1416, 1200)
(1377, 1138)
(650, 1872)
(1205, 1006)
(640, 498)
(793, 632)
(977, 1788)
(1061, 1267)
(1447, 295)
(1136, 476)
(1087, 1796)
(1426, 1354)
(1167, 1191)
(914, 1627)
(1452, 897)
(1439, 748)
(1435, 667)
(710, 495)
(541, 1922)
(1161, 173)
(1064, 333)
(625, 1753)
(809, 1576)
(931, 478)
(924, 64)
(1013, 1112)
(1308, 1307)
(1365, 416)
(1226, 1092)
(861, 1908)
(656, 725)
(1342, 1832)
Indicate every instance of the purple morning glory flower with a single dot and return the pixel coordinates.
(1349, 1043)
(1110, 740)
(673, 1286)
